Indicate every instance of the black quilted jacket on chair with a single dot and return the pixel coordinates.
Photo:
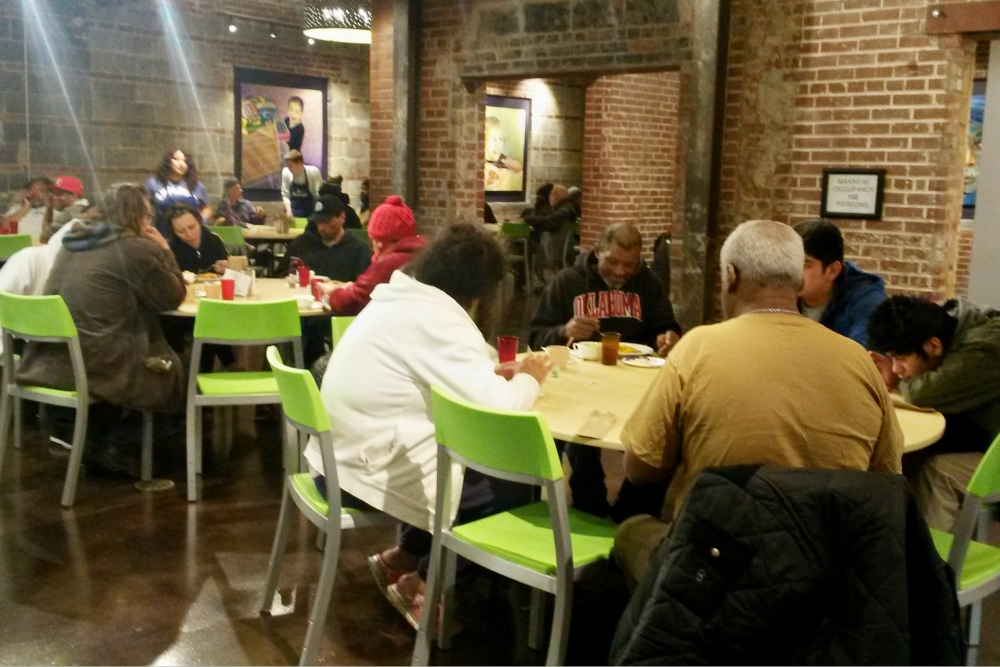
(781, 566)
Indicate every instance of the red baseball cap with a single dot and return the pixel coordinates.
(69, 184)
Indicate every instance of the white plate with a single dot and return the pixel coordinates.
(644, 362)
(640, 350)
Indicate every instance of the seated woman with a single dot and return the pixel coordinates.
(393, 232)
(418, 331)
(195, 248)
(116, 276)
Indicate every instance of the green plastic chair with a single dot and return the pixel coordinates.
(339, 326)
(46, 319)
(362, 235)
(520, 232)
(305, 414)
(234, 323)
(11, 243)
(976, 565)
(542, 544)
(300, 223)
(232, 237)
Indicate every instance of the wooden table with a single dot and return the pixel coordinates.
(265, 289)
(266, 233)
(569, 399)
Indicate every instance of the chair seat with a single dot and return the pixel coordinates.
(237, 384)
(305, 486)
(982, 562)
(59, 393)
(524, 536)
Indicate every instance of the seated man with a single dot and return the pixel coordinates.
(66, 202)
(746, 391)
(28, 217)
(608, 289)
(947, 358)
(330, 252)
(236, 210)
(835, 293)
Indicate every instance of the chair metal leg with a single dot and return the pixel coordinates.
(76, 454)
(6, 407)
(278, 549)
(321, 605)
(559, 638)
(147, 446)
(447, 600)
(321, 540)
(199, 425)
(536, 618)
(18, 424)
(432, 594)
(191, 430)
(975, 620)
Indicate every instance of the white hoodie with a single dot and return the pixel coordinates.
(377, 392)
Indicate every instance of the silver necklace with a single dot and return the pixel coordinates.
(773, 310)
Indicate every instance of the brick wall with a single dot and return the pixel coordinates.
(630, 154)
(132, 98)
(382, 102)
(555, 152)
(492, 40)
(850, 83)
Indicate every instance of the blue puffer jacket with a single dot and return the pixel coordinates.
(856, 295)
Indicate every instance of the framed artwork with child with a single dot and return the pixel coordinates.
(275, 113)
(505, 147)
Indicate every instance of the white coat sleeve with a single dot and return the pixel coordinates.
(286, 185)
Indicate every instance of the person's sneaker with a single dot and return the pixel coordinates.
(384, 575)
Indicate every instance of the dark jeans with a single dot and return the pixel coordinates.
(177, 329)
(316, 332)
(590, 493)
(482, 496)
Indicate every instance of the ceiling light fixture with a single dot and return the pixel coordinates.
(271, 31)
(232, 25)
(338, 21)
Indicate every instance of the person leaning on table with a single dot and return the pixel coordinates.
(767, 386)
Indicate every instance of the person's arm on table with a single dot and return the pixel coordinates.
(552, 315)
(651, 439)
(660, 319)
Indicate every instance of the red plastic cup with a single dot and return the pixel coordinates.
(303, 276)
(507, 347)
(316, 291)
(228, 289)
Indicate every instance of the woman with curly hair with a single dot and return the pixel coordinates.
(176, 181)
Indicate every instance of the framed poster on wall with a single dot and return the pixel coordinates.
(275, 113)
(506, 140)
(974, 142)
(853, 193)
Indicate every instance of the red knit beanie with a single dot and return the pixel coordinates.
(392, 220)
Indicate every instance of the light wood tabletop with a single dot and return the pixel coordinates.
(265, 289)
(570, 398)
(267, 233)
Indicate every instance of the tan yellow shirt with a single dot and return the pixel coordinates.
(764, 388)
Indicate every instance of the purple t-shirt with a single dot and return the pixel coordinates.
(164, 195)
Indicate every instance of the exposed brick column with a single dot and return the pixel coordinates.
(630, 154)
(381, 102)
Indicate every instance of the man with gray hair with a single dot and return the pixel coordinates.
(766, 387)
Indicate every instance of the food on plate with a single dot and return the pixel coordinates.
(628, 349)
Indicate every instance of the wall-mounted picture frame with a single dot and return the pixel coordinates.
(853, 193)
(274, 113)
(506, 140)
(974, 142)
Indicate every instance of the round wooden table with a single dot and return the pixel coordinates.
(265, 289)
(570, 397)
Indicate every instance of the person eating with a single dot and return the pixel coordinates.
(195, 248)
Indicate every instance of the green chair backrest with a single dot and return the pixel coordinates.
(11, 243)
(247, 320)
(300, 397)
(986, 480)
(339, 326)
(300, 223)
(518, 442)
(362, 234)
(515, 230)
(40, 316)
(231, 235)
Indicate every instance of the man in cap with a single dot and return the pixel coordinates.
(67, 202)
(332, 253)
